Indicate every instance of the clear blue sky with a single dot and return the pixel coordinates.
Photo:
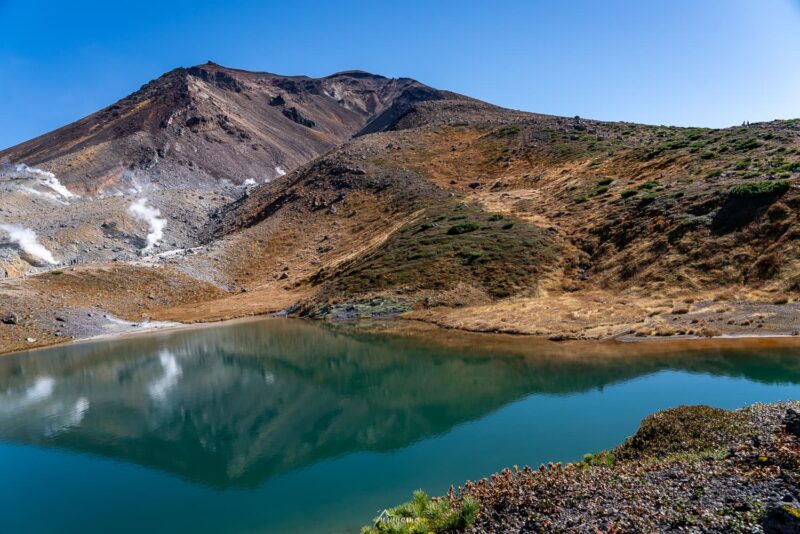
(684, 62)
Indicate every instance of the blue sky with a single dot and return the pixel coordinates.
(684, 62)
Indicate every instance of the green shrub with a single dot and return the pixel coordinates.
(707, 155)
(470, 255)
(509, 130)
(496, 217)
(508, 226)
(423, 515)
(714, 174)
(682, 430)
(629, 193)
(605, 181)
(463, 228)
(602, 458)
(601, 191)
(746, 144)
(649, 185)
(649, 198)
(755, 189)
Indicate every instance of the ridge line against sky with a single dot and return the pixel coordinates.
(678, 62)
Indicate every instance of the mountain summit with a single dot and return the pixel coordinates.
(208, 122)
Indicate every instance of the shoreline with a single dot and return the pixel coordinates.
(689, 468)
(419, 327)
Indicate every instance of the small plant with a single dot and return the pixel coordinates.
(463, 228)
(651, 184)
(56, 272)
(470, 255)
(714, 174)
(425, 226)
(629, 193)
(508, 226)
(756, 189)
(496, 217)
(601, 191)
(649, 198)
(509, 130)
(707, 155)
(603, 458)
(423, 515)
(605, 181)
(746, 144)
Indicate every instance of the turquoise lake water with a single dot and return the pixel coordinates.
(291, 426)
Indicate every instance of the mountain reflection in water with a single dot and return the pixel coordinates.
(236, 405)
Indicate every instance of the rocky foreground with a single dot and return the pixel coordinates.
(688, 469)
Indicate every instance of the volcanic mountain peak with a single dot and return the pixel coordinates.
(206, 123)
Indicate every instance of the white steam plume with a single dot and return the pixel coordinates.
(249, 181)
(279, 171)
(152, 216)
(26, 239)
(47, 179)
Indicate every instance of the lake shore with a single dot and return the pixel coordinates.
(695, 469)
(451, 337)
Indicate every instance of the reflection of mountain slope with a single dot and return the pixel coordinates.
(238, 404)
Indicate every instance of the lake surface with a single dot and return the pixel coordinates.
(291, 426)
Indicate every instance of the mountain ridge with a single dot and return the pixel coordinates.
(189, 120)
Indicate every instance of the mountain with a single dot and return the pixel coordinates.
(213, 123)
(430, 204)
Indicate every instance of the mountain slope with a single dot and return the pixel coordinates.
(209, 123)
(456, 212)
